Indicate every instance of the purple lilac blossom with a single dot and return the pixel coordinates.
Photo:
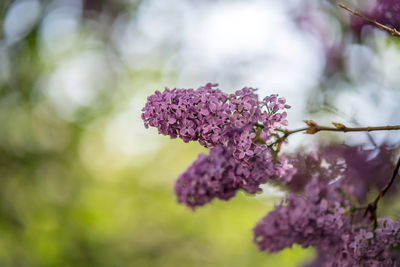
(356, 170)
(321, 217)
(213, 118)
(366, 247)
(310, 220)
(228, 124)
(363, 169)
(219, 175)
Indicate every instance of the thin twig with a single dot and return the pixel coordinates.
(371, 207)
(395, 172)
(392, 31)
(352, 120)
(314, 128)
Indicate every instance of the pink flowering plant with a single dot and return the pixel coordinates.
(326, 206)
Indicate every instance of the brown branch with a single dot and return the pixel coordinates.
(372, 207)
(314, 128)
(392, 31)
(386, 188)
(332, 109)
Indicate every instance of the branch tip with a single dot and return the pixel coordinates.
(392, 31)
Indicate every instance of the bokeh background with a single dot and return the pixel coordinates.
(83, 183)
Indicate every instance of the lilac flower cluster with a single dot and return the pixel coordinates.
(237, 128)
(310, 221)
(361, 169)
(219, 175)
(368, 247)
(213, 118)
(323, 218)
(364, 246)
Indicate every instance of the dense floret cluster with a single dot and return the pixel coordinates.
(236, 127)
(219, 175)
(323, 218)
(213, 118)
(308, 221)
